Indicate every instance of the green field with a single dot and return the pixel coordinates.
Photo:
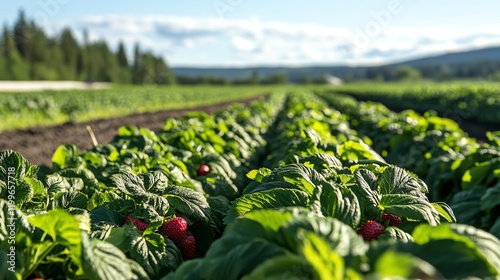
(473, 100)
(24, 110)
(306, 183)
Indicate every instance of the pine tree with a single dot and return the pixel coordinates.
(122, 56)
(21, 35)
(70, 51)
(136, 71)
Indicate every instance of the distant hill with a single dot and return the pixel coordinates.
(455, 59)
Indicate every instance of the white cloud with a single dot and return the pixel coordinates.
(215, 41)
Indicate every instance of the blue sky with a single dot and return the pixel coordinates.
(279, 32)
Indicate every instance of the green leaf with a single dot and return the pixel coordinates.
(395, 233)
(491, 198)
(472, 177)
(133, 186)
(130, 184)
(299, 175)
(473, 250)
(248, 255)
(396, 265)
(367, 192)
(322, 161)
(270, 220)
(189, 202)
(18, 180)
(64, 229)
(495, 228)
(341, 203)
(341, 237)
(444, 211)
(270, 199)
(409, 207)
(281, 267)
(155, 182)
(395, 180)
(102, 260)
(487, 243)
(466, 205)
(326, 263)
(150, 252)
(11, 218)
(66, 156)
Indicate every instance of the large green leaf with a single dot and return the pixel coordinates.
(133, 186)
(466, 205)
(395, 180)
(472, 177)
(11, 218)
(341, 203)
(188, 202)
(491, 198)
(367, 193)
(130, 184)
(281, 267)
(18, 181)
(299, 175)
(64, 229)
(410, 207)
(155, 182)
(395, 265)
(150, 251)
(341, 237)
(270, 199)
(325, 263)
(444, 211)
(102, 260)
(476, 251)
(66, 156)
(248, 255)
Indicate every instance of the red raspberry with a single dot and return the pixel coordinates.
(371, 230)
(394, 220)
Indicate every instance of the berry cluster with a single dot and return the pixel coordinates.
(372, 229)
(176, 230)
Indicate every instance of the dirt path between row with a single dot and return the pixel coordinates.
(38, 144)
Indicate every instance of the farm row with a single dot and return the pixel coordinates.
(301, 184)
(476, 101)
(20, 110)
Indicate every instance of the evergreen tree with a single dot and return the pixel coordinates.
(21, 35)
(136, 71)
(122, 56)
(70, 51)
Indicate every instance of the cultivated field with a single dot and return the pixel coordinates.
(303, 181)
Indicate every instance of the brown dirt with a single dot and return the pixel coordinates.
(38, 144)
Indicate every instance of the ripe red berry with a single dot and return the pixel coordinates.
(394, 220)
(203, 170)
(139, 224)
(175, 229)
(371, 230)
(188, 247)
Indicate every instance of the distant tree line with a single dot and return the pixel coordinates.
(27, 53)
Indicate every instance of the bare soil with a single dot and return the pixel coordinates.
(38, 144)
